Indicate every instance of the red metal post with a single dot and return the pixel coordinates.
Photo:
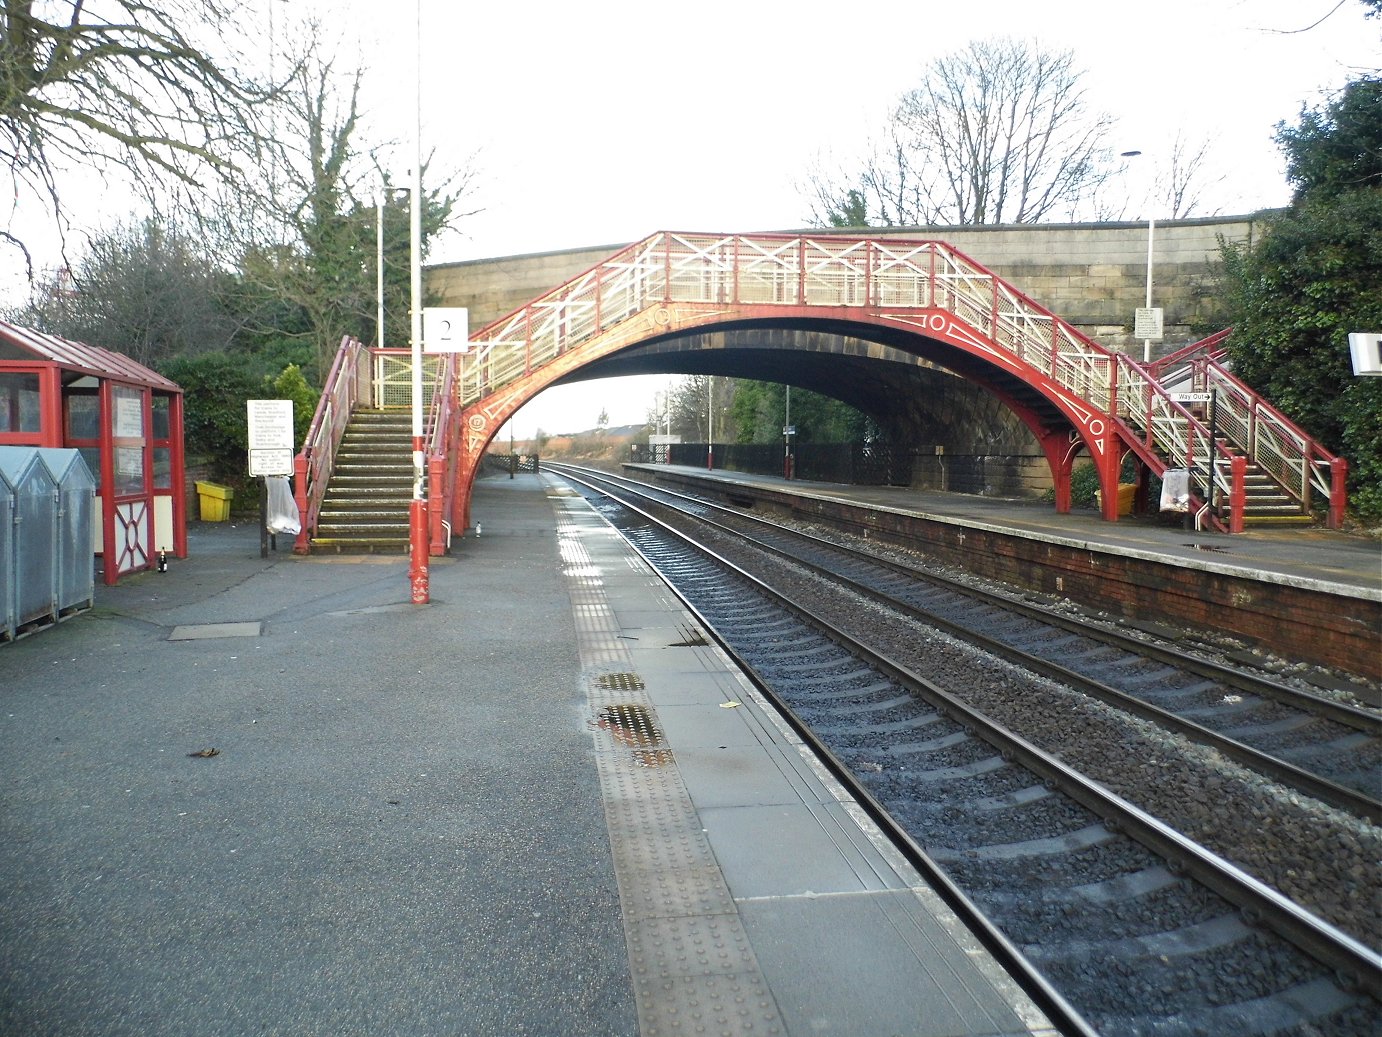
(436, 491)
(179, 474)
(417, 538)
(1338, 492)
(302, 545)
(1238, 493)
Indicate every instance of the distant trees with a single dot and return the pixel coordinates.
(146, 290)
(1315, 276)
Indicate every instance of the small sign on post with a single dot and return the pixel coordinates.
(1147, 323)
(270, 437)
(1192, 397)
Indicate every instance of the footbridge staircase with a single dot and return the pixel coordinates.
(1243, 460)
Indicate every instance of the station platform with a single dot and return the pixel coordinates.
(1338, 563)
(271, 796)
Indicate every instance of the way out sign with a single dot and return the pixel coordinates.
(271, 437)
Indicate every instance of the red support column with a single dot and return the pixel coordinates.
(179, 474)
(302, 545)
(1338, 492)
(436, 492)
(1238, 493)
(1107, 464)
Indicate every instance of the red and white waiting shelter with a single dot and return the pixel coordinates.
(126, 421)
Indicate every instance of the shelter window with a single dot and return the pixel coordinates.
(19, 402)
(83, 417)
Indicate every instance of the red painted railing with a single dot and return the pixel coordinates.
(346, 384)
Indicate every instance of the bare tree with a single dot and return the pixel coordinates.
(1184, 177)
(1000, 132)
(306, 234)
(121, 85)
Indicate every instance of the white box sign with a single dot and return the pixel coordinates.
(270, 436)
(445, 329)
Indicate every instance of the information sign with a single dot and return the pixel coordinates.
(1192, 397)
(270, 437)
(1147, 323)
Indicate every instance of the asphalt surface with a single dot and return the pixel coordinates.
(400, 831)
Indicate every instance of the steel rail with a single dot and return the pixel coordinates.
(1354, 801)
(1034, 984)
(1356, 965)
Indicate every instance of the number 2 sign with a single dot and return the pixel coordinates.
(445, 329)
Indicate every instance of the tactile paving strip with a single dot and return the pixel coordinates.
(693, 969)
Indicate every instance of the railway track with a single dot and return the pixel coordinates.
(1324, 748)
(1126, 916)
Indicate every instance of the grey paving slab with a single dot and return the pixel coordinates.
(205, 630)
(793, 850)
(888, 967)
(734, 776)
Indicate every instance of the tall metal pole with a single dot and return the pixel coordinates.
(709, 419)
(1151, 232)
(417, 515)
(379, 266)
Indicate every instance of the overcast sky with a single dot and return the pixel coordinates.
(603, 122)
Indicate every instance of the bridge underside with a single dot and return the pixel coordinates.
(914, 398)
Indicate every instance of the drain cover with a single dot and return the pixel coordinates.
(199, 631)
(619, 682)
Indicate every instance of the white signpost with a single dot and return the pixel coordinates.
(270, 437)
(271, 454)
(1192, 397)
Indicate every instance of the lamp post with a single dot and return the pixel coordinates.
(418, 575)
(709, 422)
(1151, 322)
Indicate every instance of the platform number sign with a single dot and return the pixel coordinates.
(445, 329)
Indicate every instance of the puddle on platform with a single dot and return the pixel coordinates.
(694, 640)
(632, 725)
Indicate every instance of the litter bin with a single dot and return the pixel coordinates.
(214, 500)
(1126, 492)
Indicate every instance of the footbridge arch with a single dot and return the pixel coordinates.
(856, 317)
(880, 300)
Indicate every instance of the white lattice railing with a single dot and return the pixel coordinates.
(830, 271)
(1172, 433)
(1293, 460)
(787, 270)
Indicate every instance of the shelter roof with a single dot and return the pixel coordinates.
(25, 344)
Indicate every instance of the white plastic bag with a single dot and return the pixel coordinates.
(1175, 490)
(282, 512)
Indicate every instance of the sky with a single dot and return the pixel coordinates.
(603, 122)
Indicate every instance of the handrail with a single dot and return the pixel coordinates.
(782, 270)
(1280, 447)
(313, 465)
(1169, 435)
(443, 455)
(1212, 347)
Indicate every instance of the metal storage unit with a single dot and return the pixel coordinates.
(34, 526)
(76, 513)
(7, 574)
